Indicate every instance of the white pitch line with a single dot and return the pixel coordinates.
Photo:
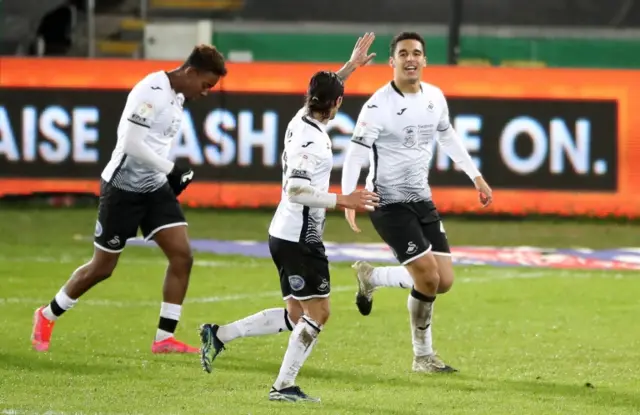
(522, 275)
(197, 300)
(249, 263)
(51, 412)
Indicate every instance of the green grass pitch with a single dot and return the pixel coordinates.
(526, 341)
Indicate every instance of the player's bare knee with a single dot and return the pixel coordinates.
(99, 268)
(182, 260)
(319, 316)
(318, 309)
(325, 312)
(424, 271)
(445, 272)
(294, 317)
(445, 284)
(294, 310)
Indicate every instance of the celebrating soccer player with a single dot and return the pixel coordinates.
(295, 234)
(395, 130)
(139, 189)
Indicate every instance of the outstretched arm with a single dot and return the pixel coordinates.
(299, 189)
(452, 145)
(359, 57)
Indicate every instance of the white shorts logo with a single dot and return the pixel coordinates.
(113, 243)
(296, 282)
(187, 176)
(441, 227)
(324, 286)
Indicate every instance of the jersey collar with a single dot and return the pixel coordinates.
(179, 97)
(315, 123)
(395, 88)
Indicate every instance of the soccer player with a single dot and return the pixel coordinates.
(396, 129)
(295, 234)
(139, 189)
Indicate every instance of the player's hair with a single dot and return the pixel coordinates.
(324, 90)
(206, 58)
(405, 36)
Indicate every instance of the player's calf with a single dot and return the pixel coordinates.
(445, 272)
(294, 311)
(173, 240)
(301, 342)
(424, 271)
(271, 321)
(177, 276)
(318, 309)
(88, 275)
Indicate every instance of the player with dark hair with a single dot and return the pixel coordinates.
(396, 130)
(295, 234)
(139, 189)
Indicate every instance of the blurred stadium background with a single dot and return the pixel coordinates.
(544, 93)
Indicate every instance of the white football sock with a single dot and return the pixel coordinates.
(420, 311)
(169, 317)
(428, 340)
(301, 342)
(63, 301)
(397, 277)
(271, 321)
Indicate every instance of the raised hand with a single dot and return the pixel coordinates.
(360, 55)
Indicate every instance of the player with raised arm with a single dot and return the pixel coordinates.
(396, 129)
(139, 189)
(295, 233)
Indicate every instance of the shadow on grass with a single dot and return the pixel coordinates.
(595, 396)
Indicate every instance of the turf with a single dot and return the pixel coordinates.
(526, 341)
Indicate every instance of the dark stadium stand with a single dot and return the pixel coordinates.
(36, 27)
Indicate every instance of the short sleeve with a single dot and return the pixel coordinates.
(144, 105)
(369, 125)
(444, 123)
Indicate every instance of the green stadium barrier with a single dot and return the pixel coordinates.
(553, 52)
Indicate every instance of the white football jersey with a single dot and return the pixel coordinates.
(307, 155)
(399, 129)
(153, 104)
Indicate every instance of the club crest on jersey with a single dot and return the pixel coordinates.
(296, 282)
(410, 134)
(144, 110)
(430, 107)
